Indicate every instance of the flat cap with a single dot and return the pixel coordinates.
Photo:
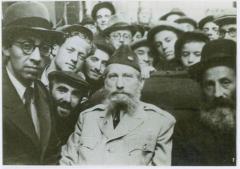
(100, 5)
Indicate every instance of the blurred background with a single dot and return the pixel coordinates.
(69, 12)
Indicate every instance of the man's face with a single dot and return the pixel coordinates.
(102, 17)
(191, 53)
(164, 42)
(219, 88)
(124, 87)
(25, 60)
(66, 97)
(211, 29)
(71, 54)
(228, 32)
(120, 37)
(96, 64)
(143, 55)
(187, 27)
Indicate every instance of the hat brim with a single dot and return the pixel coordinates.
(196, 71)
(111, 29)
(68, 78)
(48, 35)
(225, 20)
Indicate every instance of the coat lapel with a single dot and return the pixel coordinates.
(106, 125)
(14, 110)
(44, 116)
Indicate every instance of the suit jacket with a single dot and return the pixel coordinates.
(20, 142)
(143, 138)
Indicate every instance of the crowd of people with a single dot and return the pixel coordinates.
(72, 95)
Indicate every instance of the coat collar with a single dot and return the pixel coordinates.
(128, 123)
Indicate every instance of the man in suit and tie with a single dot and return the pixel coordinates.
(28, 128)
(123, 130)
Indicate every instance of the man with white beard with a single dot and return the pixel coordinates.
(210, 137)
(123, 130)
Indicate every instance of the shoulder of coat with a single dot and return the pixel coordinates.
(150, 108)
(97, 108)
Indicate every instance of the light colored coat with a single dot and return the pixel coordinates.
(141, 138)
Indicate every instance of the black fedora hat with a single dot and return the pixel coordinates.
(68, 77)
(104, 47)
(227, 17)
(174, 11)
(185, 19)
(68, 29)
(215, 53)
(118, 23)
(31, 17)
(139, 43)
(100, 5)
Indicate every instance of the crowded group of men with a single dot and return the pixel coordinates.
(72, 95)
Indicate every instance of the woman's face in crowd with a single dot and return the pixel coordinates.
(191, 53)
(102, 17)
(164, 42)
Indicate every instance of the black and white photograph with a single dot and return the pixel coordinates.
(119, 83)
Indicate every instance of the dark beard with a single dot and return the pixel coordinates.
(219, 115)
(120, 101)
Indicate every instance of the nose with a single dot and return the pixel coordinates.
(119, 84)
(74, 58)
(67, 97)
(97, 66)
(164, 46)
(218, 91)
(121, 39)
(190, 59)
(36, 56)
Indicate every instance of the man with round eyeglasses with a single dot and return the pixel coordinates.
(29, 136)
(227, 25)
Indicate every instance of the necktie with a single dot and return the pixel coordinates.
(31, 109)
(116, 119)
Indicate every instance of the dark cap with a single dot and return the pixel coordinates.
(105, 47)
(69, 78)
(68, 29)
(125, 56)
(139, 43)
(215, 53)
(87, 20)
(185, 19)
(31, 17)
(138, 28)
(100, 5)
(189, 37)
(204, 20)
(164, 25)
(227, 17)
(118, 23)
(174, 11)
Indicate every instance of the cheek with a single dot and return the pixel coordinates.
(109, 84)
(56, 95)
(75, 101)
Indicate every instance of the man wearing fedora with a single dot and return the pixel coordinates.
(123, 130)
(68, 90)
(119, 31)
(208, 26)
(209, 137)
(74, 49)
(29, 135)
(227, 25)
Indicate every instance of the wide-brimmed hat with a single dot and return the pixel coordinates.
(164, 25)
(139, 43)
(215, 53)
(204, 20)
(69, 77)
(117, 23)
(100, 5)
(124, 55)
(174, 11)
(185, 19)
(28, 17)
(188, 37)
(227, 17)
(68, 29)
